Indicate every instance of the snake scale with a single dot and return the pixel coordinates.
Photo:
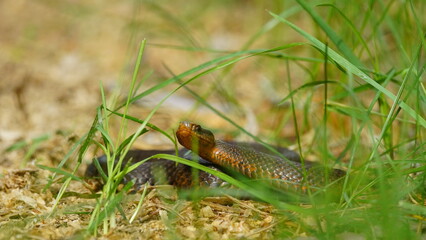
(251, 160)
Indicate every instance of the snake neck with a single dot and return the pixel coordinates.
(225, 154)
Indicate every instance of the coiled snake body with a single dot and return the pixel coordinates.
(252, 161)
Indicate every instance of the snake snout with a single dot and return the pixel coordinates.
(183, 134)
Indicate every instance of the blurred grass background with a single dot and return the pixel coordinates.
(54, 54)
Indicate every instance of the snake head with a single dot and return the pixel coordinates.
(193, 137)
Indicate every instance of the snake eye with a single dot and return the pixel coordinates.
(196, 127)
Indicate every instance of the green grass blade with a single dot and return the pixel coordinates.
(336, 39)
(140, 121)
(139, 203)
(353, 28)
(304, 86)
(228, 59)
(354, 70)
(60, 171)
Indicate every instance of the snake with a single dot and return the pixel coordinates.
(253, 161)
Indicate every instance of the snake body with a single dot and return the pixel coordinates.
(252, 161)
(253, 164)
(157, 171)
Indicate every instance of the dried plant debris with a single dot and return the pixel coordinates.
(26, 211)
(209, 218)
